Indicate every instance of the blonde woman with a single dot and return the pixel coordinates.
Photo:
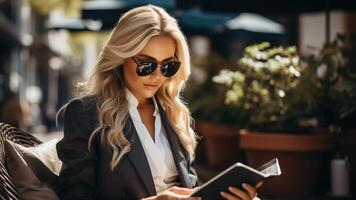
(129, 135)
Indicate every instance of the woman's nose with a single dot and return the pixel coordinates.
(157, 74)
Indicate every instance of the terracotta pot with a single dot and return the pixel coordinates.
(304, 162)
(221, 144)
(347, 147)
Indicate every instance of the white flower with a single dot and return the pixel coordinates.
(294, 71)
(295, 60)
(321, 71)
(261, 55)
(274, 66)
(281, 93)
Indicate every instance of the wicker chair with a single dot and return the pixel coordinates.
(7, 132)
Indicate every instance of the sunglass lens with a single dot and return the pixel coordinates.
(145, 68)
(170, 68)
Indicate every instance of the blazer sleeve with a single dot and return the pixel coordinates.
(77, 176)
(193, 174)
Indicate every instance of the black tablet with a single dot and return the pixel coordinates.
(236, 175)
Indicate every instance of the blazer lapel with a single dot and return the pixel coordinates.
(138, 158)
(177, 150)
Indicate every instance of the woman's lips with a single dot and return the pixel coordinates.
(151, 86)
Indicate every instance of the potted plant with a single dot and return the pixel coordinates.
(333, 70)
(215, 122)
(266, 83)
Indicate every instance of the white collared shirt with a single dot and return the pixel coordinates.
(158, 151)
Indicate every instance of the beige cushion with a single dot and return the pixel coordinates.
(43, 160)
(33, 169)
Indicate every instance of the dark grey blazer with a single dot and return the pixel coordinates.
(87, 175)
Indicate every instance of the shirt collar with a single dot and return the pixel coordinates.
(134, 103)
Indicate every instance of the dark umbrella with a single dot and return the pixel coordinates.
(237, 29)
(277, 6)
(197, 21)
(280, 7)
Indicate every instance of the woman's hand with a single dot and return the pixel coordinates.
(235, 193)
(174, 193)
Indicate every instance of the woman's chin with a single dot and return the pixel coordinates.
(149, 94)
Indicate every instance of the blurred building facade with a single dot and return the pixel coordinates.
(30, 68)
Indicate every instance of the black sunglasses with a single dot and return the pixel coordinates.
(168, 68)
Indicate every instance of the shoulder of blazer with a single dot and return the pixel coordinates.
(83, 106)
(84, 110)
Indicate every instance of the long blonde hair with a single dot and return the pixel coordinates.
(128, 38)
